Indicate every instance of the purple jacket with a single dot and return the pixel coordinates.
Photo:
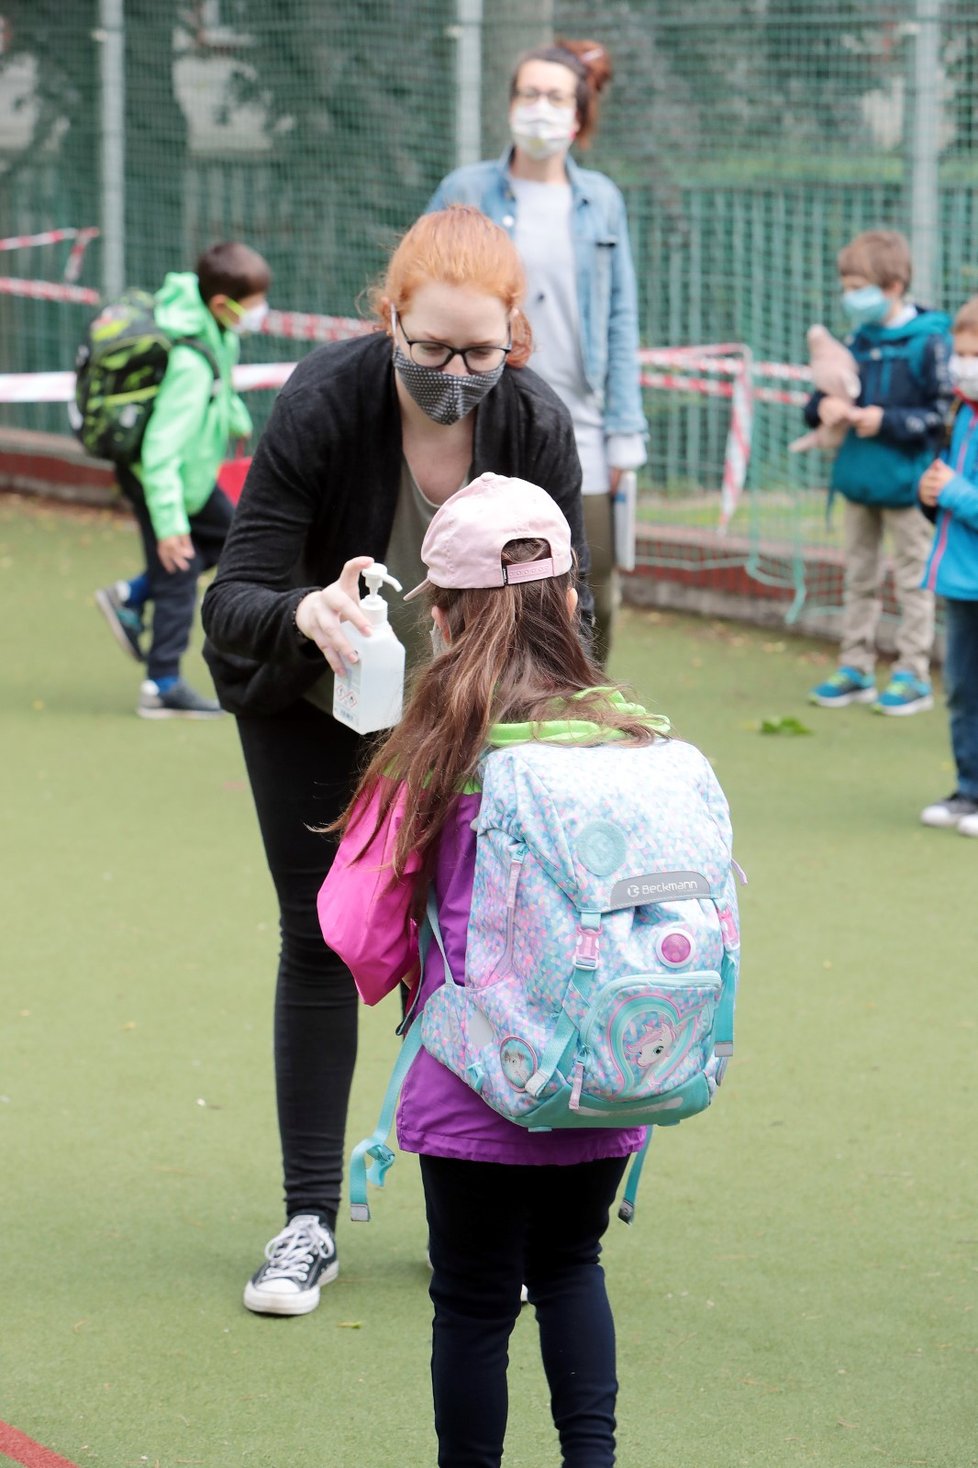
(367, 922)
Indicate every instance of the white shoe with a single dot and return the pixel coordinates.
(949, 813)
(297, 1262)
(968, 826)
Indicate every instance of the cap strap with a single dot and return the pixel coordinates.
(530, 571)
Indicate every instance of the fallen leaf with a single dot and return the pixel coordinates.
(785, 725)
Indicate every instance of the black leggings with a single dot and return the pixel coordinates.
(302, 766)
(492, 1228)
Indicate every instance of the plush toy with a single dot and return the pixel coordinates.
(834, 373)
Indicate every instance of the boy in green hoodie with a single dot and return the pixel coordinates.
(183, 517)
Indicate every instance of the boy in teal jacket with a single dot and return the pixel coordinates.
(183, 517)
(894, 431)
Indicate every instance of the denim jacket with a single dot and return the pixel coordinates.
(606, 293)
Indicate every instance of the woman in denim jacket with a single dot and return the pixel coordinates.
(570, 227)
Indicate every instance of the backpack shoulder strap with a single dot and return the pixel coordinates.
(375, 1146)
(196, 345)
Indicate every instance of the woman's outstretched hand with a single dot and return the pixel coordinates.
(318, 615)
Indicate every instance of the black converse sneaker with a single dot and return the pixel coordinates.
(297, 1261)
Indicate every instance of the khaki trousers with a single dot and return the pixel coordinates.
(910, 536)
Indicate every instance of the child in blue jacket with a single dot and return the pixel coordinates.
(949, 490)
(895, 430)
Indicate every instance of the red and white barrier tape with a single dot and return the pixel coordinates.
(59, 387)
(721, 369)
(47, 237)
(82, 238)
(49, 290)
(736, 455)
(305, 327)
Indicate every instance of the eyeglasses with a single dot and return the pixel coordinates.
(438, 354)
(534, 94)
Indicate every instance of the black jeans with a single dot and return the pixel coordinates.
(302, 766)
(174, 593)
(491, 1229)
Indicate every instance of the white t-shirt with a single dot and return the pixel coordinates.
(546, 245)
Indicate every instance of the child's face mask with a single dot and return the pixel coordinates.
(439, 642)
(249, 320)
(964, 375)
(867, 306)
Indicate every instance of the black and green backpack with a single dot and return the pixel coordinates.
(118, 371)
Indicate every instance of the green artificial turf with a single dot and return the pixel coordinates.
(800, 1284)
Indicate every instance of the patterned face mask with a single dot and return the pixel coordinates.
(443, 396)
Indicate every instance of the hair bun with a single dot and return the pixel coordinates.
(593, 57)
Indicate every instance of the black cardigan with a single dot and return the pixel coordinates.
(323, 488)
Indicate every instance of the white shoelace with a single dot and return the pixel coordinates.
(292, 1253)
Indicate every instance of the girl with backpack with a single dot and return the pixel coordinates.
(504, 1205)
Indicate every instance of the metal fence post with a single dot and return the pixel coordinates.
(112, 110)
(468, 81)
(925, 147)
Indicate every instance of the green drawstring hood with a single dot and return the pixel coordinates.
(576, 731)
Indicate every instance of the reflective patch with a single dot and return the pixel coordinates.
(601, 847)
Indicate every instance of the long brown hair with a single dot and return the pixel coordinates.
(515, 657)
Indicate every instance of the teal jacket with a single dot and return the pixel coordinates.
(902, 369)
(952, 567)
(194, 415)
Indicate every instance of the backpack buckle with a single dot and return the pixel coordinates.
(586, 952)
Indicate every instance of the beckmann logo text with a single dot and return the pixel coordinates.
(658, 886)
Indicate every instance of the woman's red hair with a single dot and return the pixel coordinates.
(457, 246)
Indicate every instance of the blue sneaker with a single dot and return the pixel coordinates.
(125, 624)
(844, 686)
(905, 694)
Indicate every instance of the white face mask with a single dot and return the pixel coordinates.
(542, 130)
(964, 375)
(251, 320)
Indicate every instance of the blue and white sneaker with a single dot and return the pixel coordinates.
(124, 622)
(298, 1261)
(844, 686)
(905, 694)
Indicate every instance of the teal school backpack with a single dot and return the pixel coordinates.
(119, 367)
(603, 947)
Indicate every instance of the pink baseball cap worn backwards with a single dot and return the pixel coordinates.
(464, 545)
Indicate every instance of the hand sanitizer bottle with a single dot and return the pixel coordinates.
(370, 694)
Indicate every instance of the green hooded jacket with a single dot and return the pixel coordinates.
(194, 414)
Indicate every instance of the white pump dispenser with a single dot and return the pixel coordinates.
(369, 695)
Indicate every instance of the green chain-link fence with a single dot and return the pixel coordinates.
(752, 138)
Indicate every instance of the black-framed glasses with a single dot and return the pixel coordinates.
(534, 94)
(437, 355)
